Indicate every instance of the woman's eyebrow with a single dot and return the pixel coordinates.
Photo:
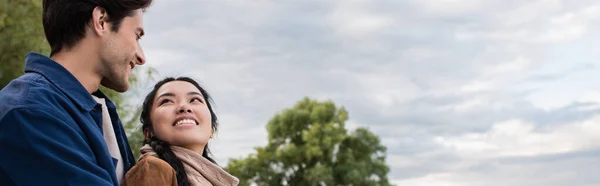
(194, 93)
(168, 94)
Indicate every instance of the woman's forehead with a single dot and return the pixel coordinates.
(177, 88)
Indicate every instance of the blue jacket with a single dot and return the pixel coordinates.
(51, 130)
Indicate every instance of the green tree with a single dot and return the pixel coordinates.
(21, 31)
(309, 145)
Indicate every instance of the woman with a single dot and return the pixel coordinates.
(178, 121)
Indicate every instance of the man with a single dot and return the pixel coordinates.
(56, 127)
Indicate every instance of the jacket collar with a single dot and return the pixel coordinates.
(61, 78)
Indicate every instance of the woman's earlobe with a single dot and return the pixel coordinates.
(147, 134)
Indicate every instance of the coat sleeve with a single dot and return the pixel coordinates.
(151, 171)
(42, 147)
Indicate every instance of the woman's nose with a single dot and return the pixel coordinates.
(184, 108)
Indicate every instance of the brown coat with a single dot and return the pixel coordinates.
(153, 171)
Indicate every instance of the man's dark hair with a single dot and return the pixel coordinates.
(65, 20)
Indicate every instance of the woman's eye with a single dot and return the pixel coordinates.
(164, 101)
(196, 100)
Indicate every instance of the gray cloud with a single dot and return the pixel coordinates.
(410, 71)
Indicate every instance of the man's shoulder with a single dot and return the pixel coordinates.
(30, 91)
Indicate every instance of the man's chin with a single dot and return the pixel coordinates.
(117, 87)
(121, 89)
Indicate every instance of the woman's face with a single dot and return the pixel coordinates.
(180, 116)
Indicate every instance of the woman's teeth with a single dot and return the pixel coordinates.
(185, 121)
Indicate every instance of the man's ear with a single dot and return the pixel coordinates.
(99, 22)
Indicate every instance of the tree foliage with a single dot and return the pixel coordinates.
(21, 31)
(309, 145)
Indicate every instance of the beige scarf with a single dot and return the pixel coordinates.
(200, 171)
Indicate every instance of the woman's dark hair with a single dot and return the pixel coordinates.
(65, 20)
(163, 148)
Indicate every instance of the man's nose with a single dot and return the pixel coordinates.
(139, 55)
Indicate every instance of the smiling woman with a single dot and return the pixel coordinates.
(178, 121)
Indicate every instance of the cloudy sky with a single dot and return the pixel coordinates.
(462, 92)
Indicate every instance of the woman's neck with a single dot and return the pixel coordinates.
(196, 148)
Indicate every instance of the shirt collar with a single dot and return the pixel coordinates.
(109, 104)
